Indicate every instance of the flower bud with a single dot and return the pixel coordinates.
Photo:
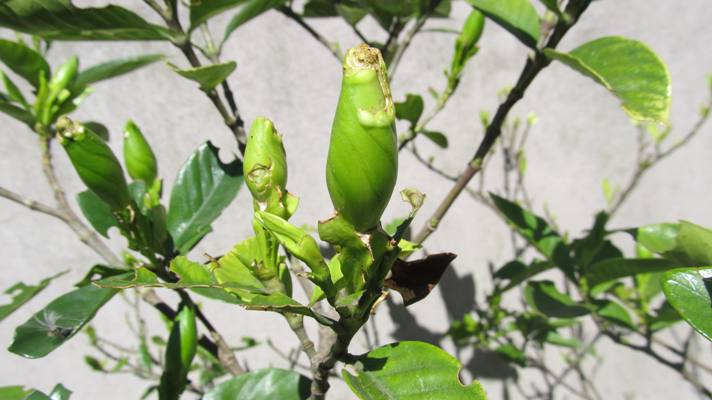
(138, 155)
(362, 164)
(265, 167)
(95, 163)
(466, 42)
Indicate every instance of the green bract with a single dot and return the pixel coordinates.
(362, 164)
(95, 163)
(265, 168)
(139, 158)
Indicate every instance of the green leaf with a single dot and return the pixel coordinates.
(114, 68)
(538, 232)
(320, 8)
(250, 9)
(615, 313)
(203, 188)
(616, 268)
(689, 291)
(201, 11)
(59, 321)
(409, 371)
(512, 354)
(97, 212)
(410, 109)
(60, 20)
(14, 393)
(22, 293)
(545, 298)
(16, 112)
(23, 61)
(686, 243)
(263, 384)
(436, 137)
(143, 277)
(519, 17)
(209, 76)
(552, 5)
(627, 68)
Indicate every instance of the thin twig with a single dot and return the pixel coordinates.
(332, 47)
(645, 163)
(531, 69)
(33, 205)
(86, 235)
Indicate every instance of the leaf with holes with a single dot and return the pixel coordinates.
(22, 293)
(204, 187)
(59, 321)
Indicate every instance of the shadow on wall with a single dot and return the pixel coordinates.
(458, 294)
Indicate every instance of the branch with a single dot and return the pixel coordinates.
(31, 204)
(644, 163)
(531, 69)
(215, 346)
(232, 118)
(332, 47)
(86, 235)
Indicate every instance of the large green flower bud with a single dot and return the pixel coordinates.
(138, 155)
(362, 165)
(95, 163)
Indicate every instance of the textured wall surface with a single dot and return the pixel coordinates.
(582, 137)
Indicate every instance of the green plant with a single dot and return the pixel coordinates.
(630, 300)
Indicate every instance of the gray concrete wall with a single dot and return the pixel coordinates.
(582, 137)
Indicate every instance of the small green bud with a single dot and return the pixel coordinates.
(138, 155)
(265, 167)
(63, 77)
(362, 164)
(95, 163)
(465, 44)
(188, 335)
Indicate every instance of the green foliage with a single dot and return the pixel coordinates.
(516, 16)
(24, 61)
(114, 68)
(209, 76)
(203, 188)
(263, 384)
(59, 321)
(391, 372)
(690, 292)
(60, 20)
(627, 68)
(21, 293)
